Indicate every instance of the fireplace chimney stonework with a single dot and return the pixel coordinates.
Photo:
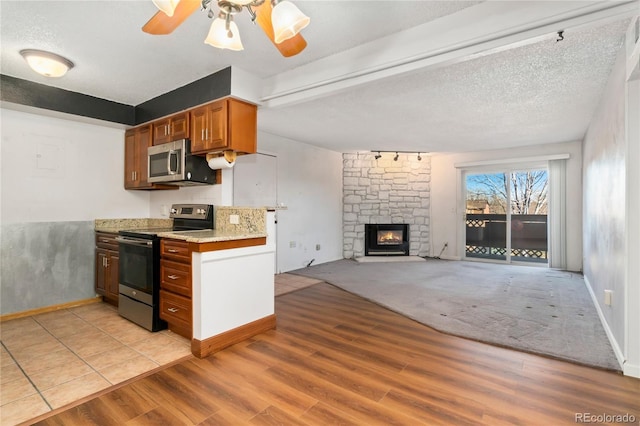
(385, 191)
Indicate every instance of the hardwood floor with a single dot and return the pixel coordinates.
(336, 358)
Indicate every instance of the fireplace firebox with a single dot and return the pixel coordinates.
(386, 239)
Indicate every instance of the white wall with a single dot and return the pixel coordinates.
(57, 170)
(57, 176)
(310, 185)
(447, 209)
(611, 205)
(218, 195)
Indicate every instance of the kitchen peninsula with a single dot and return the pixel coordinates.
(217, 285)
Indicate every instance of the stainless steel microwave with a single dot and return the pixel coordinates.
(172, 163)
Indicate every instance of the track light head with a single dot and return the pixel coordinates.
(378, 156)
(396, 157)
(419, 157)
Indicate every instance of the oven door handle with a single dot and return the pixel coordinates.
(142, 243)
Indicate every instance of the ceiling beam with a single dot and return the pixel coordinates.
(486, 28)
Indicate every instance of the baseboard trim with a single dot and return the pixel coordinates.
(614, 343)
(631, 370)
(204, 348)
(51, 308)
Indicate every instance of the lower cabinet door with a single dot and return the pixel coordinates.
(175, 309)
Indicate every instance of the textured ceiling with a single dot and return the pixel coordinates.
(115, 60)
(523, 94)
(544, 92)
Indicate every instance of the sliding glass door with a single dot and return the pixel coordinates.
(506, 215)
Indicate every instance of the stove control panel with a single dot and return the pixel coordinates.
(191, 211)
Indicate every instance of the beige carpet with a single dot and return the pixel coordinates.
(533, 309)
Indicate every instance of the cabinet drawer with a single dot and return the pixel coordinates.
(106, 240)
(175, 309)
(176, 249)
(175, 277)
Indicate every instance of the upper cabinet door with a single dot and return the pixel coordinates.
(227, 124)
(171, 128)
(209, 127)
(217, 125)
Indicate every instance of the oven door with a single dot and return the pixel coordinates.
(136, 263)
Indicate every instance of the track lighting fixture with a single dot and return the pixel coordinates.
(397, 156)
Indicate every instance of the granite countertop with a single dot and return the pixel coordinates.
(116, 225)
(210, 235)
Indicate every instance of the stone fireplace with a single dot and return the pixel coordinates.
(384, 191)
(386, 239)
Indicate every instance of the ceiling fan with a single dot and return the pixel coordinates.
(280, 20)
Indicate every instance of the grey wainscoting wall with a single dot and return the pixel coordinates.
(46, 263)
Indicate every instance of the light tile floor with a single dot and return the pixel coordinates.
(53, 359)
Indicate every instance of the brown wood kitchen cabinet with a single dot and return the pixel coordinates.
(171, 128)
(226, 124)
(136, 142)
(107, 267)
(175, 286)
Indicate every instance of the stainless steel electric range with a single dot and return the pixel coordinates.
(139, 276)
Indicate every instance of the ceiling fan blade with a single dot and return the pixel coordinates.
(287, 48)
(161, 24)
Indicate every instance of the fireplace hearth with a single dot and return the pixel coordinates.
(386, 239)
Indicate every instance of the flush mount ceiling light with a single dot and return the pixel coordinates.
(281, 21)
(46, 63)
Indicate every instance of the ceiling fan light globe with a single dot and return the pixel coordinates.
(241, 2)
(167, 6)
(219, 35)
(287, 21)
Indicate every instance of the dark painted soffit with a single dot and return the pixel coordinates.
(209, 88)
(24, 92)
(38, 95)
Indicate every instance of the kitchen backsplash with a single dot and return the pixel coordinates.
(250, 219)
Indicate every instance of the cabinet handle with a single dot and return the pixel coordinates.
(173, 277)
(206, 132)
(202, 134)
(172, 310)
(173, 251)
(104, 240)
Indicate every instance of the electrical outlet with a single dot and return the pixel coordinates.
(317, 247)
(607, 297)
(234, 219)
